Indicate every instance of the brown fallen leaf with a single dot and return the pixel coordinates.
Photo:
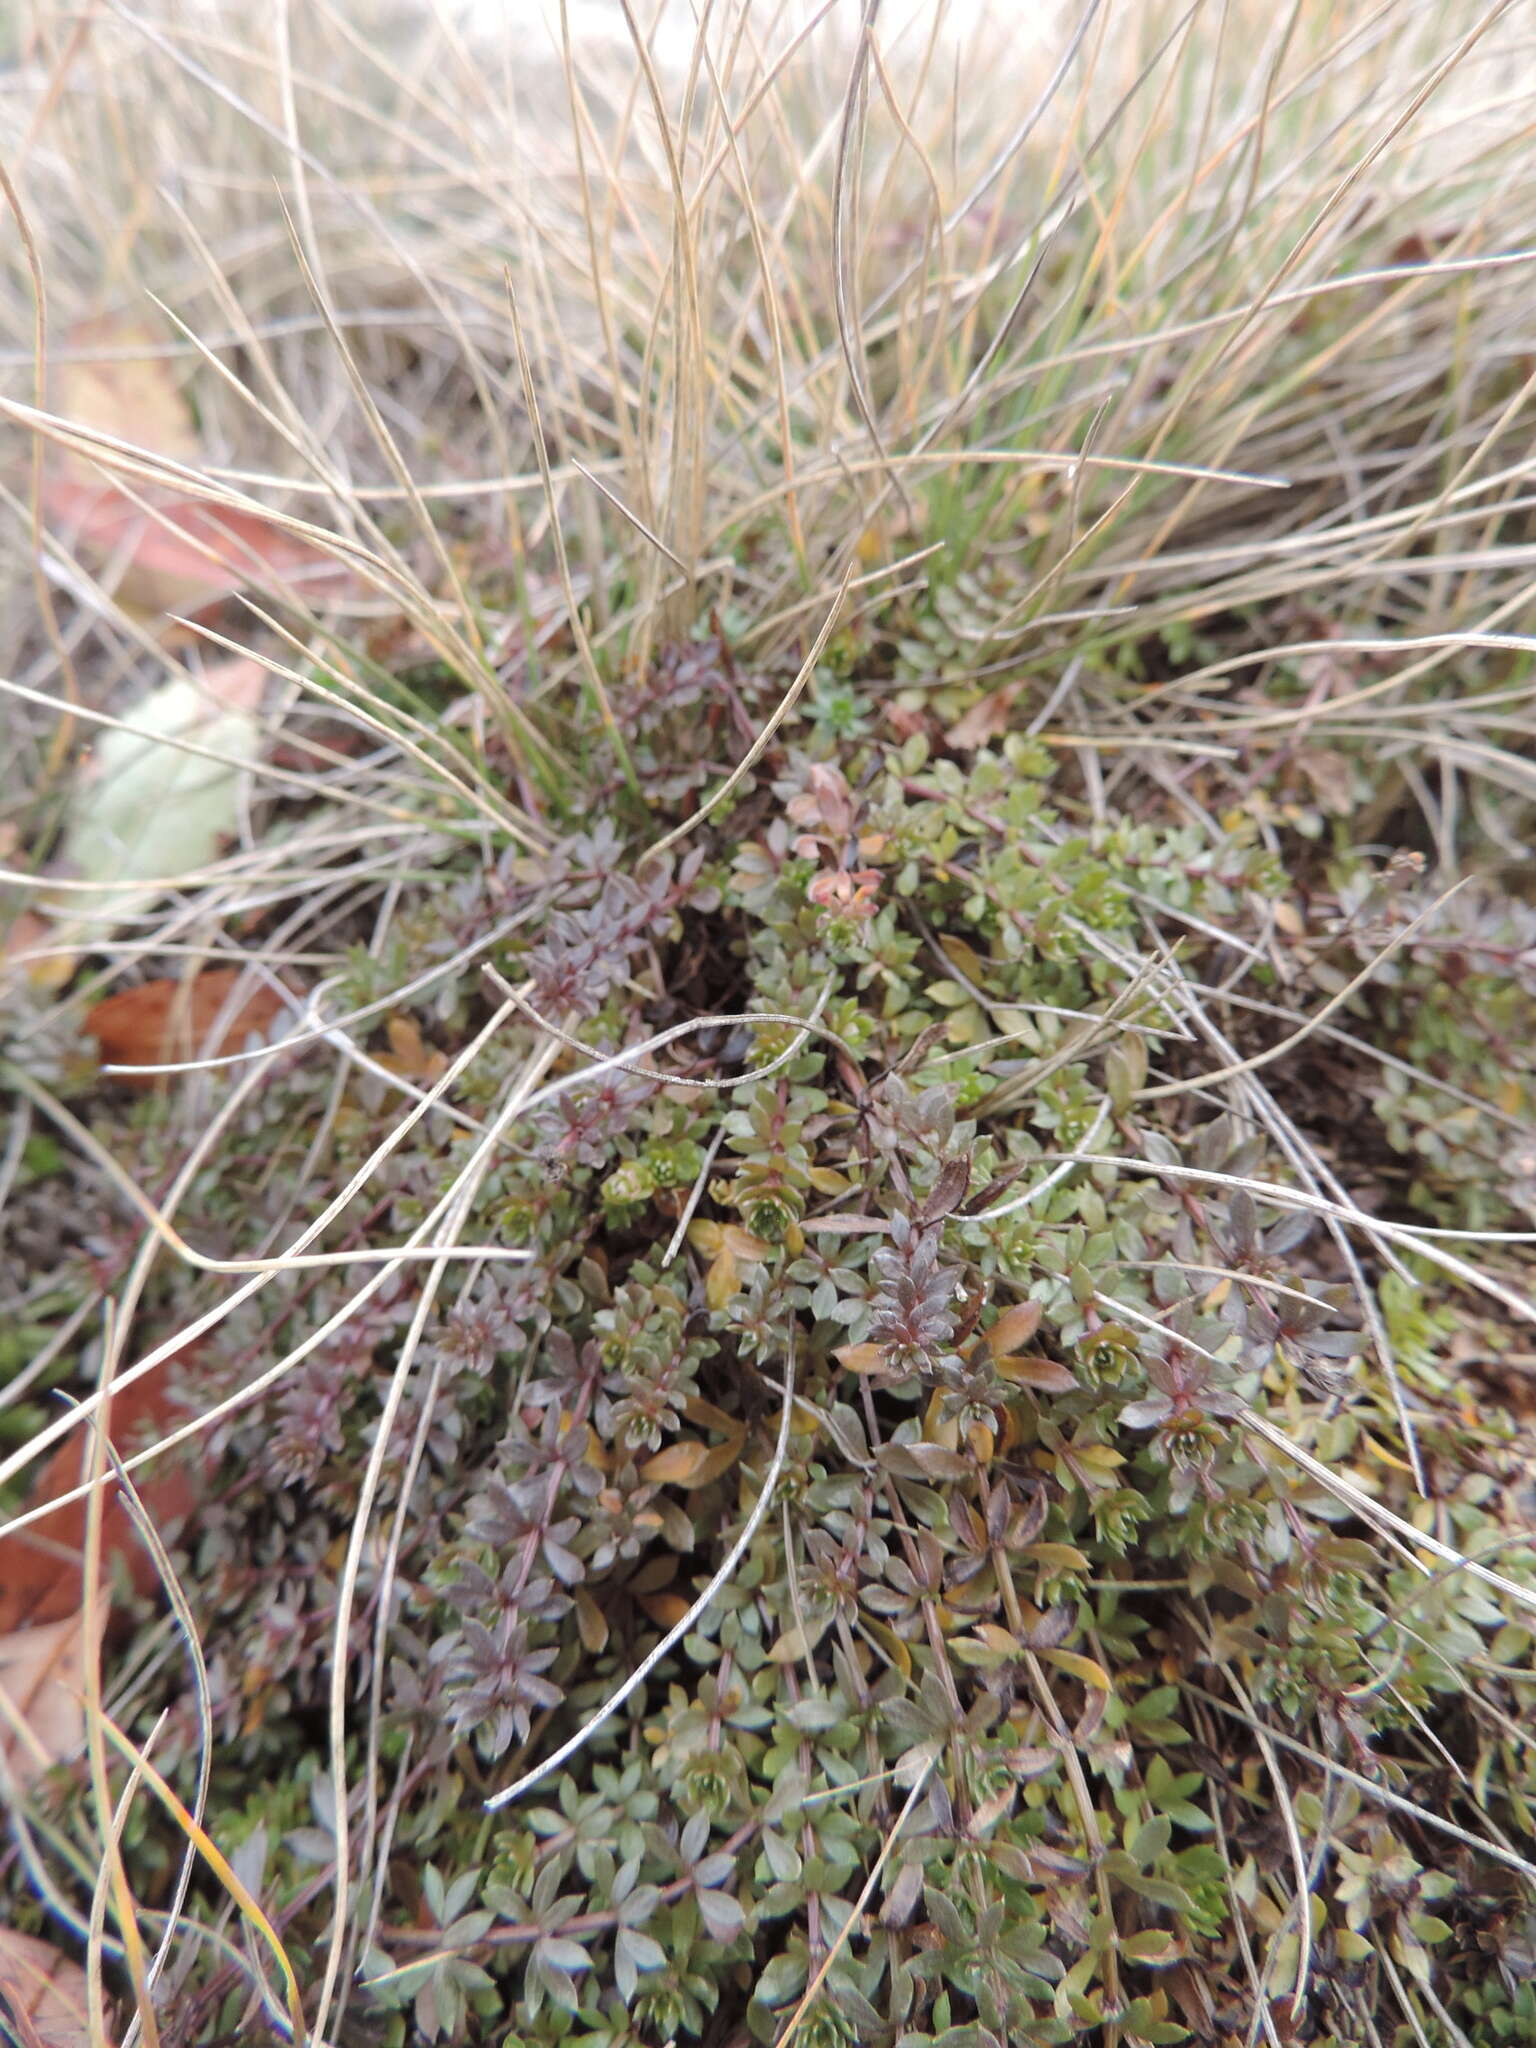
(409, 1054)
(24, 950)
(171, 1019)
(42, 1699)
(988, 719)
(42, 1993)
(182, 554)
(172, 553)
(134, 396)
(1332, 777)
(41, 1565)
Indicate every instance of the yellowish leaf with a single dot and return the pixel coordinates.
(1155, 1946)
(859, 1357)
(964, 957)
(1057, 1557)
(27, 944)
(937, 1428)
(689, 1463)
(1384, 1456)
(967, 1026)
(1013, 1435)
(719, 1460)
(999, 1639)
(1098, 1457)
(658, 1570)
(1076, 1666)
(591, 1622)
(748, 1250)
(887, 1640)
(977, 1655)
(409, 1054)
(705, 1415)
(721, 1281)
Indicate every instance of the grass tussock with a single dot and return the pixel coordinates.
(816, 1323)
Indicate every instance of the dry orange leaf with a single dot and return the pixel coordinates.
(171, 1019)
(676, 1465)
(42, 1993)
(665, 1609)
(40, 1566)
(1015, 1326)
(689, 1463)
(1043, 1374)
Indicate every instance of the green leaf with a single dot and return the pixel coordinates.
(145, 811)
(643, 1950)
(783, 1979)
(1150, 1841)
(723, 1914)
(563, 1954)
(814, 1716)
(1430, 1928)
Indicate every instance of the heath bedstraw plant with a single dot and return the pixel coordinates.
(1020, 1126)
